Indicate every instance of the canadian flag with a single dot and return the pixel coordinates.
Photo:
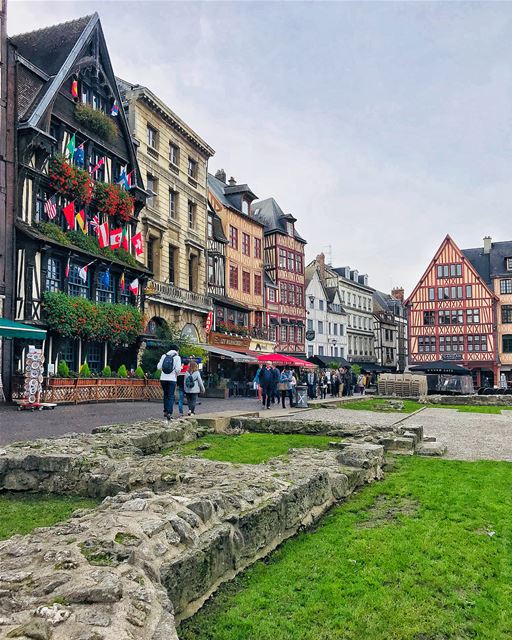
(137, 243)
(134, 287)
(103, 237)
(115, 238)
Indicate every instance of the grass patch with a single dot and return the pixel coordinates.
(429, 571)
(23, 513)
(379, 404)
(250, 448)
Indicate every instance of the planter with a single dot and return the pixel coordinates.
(60, 382)
(80, 390)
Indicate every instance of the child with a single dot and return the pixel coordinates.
(193, 385)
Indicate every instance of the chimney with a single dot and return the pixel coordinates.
(232, 182)
(487, 244)
(398, 293)
(221, 175)
(320, 259)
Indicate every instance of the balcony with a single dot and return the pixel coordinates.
(176, 296)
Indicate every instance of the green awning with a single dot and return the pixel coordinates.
(10, 329)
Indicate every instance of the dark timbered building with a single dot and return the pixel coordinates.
(70, 127)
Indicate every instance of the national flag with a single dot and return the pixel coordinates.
(69, 214)
(137, 243)
(78, 156)
(115, 109)
(124, 239)
(80, 219)
(67, 267)
(74, 88)
(103, 235)
(100, 162)
(95, 223)
(70, 147)
(123, 179)
(121, 282)
(115, 238)
(134, 286)
(83, 271)
(50, 207)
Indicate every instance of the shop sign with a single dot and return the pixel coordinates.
(209, 322)
(310, 335)
(225, 340)
(451, 356)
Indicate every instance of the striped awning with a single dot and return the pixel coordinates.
(230, 355)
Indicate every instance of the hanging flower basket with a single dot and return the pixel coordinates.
(111, 200)
(73, 183)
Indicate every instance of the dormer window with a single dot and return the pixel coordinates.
(245, 207)
(289, 228)
(509, 263)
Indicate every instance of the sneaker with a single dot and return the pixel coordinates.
(189, 413)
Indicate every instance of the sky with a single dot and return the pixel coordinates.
(380, 126)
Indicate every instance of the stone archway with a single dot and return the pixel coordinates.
(154, 324)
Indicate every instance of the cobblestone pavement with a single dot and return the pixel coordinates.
(25, 425)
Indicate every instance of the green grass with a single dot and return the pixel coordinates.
(250, 448)
(377, 404)
(405, 559)
(23, 513)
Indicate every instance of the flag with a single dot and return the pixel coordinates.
(70, 147)
(103, 236)
(96, 166)
(74, 88)
(95, 223)
(105, 278)
(80, 219)
(123, 179)
(115, 238)
(115, 109)
(67, 267)
(124, 239)
(209, 322)
(83, 271)
(69, 214)
(78, 156)
(134, 286)
(121, 282)
(50, 207)
(137, 243)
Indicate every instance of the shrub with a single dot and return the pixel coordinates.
(122, 372)
(106, 372)
(96, 121)
(70, 181)
(139, 372)
(126, 204)
(51, 230)
(85, 242)
(63, 369)
(85, 372)
(124, 256)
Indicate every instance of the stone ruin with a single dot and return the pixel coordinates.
(170, 529)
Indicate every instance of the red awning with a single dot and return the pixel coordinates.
(281, 359)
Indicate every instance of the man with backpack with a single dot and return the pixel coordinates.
(170, 366)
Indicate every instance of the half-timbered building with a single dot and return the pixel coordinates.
(451, 315)
(284, 262)
(74, 151)
(217, 242)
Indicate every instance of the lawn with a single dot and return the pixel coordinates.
(250, 448)
(377, 404)
(23, 513)
(424, 555)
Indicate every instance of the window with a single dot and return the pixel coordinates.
(451, 343)
(469, 291)
(67, 353)
(442, 271)
(431, 294)
(271, 294)
(152, 189)
(233, 237)
(174, 154)
(455, 270)
(451, 317)
(99, 174)
(291, 261)
(105, 289)
(246, 282)
(507, 344)
(509, 264)
(289, 228)
(335, 328)
(192, 168)
(95, 356)
(76, 285)
(320, 327)
(426, 344)
(429, 318)
(478, 343)
(245, 207)
(191, 214)
(300, 336)
(124, 293)
(298, 263)
(172, 264)
(152, 137)
(192, 273)
(53, 275)
(282, 333)
(473, 316)
(246, 244)
(320, 350)
(291, 334)
(257, 248)
(282, 258)
(310, 325)
(173, 204)
(506, 286)
(284, 293)
(506, 314)
(257, 284)
(310, 350)
(233, 276)
(321, 305)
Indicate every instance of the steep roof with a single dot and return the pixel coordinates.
(269, 213)
(480, 261)
(222, 192)
(492, 264)
(218, 231)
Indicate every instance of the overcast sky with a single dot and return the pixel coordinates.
(380, 126)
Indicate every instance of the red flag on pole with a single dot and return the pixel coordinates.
(103, 236)
(69, 214)
(137, 243)
(134, 286)
(67, 267)
(124, 239)
(115, 238)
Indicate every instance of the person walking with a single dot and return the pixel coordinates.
(285, 386)
(360, 383)
(193, 386)
(169, 366)
(323, 386)
(265, 380)
(256, 382)
(311, 381)
(336, 385)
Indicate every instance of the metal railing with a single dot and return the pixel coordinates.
(171, 293)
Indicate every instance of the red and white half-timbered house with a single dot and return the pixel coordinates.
(451, 314)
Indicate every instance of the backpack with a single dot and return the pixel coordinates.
(168, 364)
(190, 382)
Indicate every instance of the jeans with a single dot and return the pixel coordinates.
(287, 393)
(265, 397)
(181, 399)
(168, 387)
(191, 401)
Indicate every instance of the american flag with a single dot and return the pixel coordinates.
(50, 207)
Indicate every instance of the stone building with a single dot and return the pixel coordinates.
(284, 263)
(173, 161)
(71, 152)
